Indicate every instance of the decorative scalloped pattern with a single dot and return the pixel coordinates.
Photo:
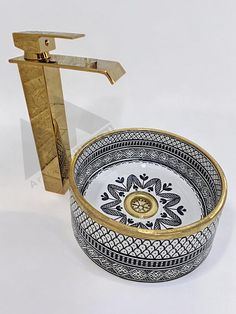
(140, 274)
(150, 249)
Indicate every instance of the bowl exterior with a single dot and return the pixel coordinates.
(139, 259)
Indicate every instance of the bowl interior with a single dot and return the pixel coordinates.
(148, 179)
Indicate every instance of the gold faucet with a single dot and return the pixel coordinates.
(41, 80)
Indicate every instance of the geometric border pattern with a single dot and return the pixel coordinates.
(140, 259)
(136, 274)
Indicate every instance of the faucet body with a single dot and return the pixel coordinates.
(41, 80)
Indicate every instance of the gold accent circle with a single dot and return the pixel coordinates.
(141, 205)
(115, 226)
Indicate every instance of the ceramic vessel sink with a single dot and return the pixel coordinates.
(145, 203)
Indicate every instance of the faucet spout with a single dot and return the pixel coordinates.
(111, 69)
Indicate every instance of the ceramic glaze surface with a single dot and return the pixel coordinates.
(145, 180)
(139, 259)
(108, 190)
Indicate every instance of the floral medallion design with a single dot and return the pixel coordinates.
(169, 215)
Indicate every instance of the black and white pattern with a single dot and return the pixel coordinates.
(135, 258)
(172, 208)
(140, 259)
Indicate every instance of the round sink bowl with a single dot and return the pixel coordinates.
(145, 203)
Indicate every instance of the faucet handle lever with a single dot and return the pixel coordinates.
(34, 35)
(37, 44)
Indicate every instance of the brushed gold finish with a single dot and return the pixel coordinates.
(139, 232)
(41, 80)
(32, 35)
(44, 98)
(111, 69)
(141, 205)
(34, 43)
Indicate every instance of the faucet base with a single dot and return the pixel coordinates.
(44, 97)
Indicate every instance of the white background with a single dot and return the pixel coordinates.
(180, 58)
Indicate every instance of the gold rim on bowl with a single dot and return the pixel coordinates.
(145, 233)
